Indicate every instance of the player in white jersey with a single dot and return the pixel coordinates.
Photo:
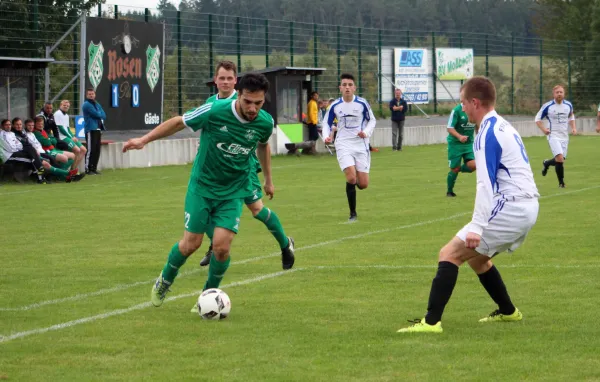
(355, 124)
(506, 208)
(559, 113)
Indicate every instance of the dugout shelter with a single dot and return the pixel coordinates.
(288, 91)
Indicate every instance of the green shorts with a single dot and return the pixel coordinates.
(54, 152)
(71, 143)
(256, 190)
(458, 153)
(201, 212)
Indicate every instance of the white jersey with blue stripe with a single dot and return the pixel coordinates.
(558, 116)
(353, 117)
(503, 169)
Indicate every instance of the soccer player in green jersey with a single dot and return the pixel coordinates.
(225, 79)
(460, 146)
(220, 178)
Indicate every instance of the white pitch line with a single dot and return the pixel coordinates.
(191, 272)
(132, 308)
(194, 271)
(433, 266)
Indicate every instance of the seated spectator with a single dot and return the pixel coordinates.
(71, 143)
(52, 164)
(12, 151)
(50, 125)
(49, 142)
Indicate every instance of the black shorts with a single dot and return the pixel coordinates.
(313, 132)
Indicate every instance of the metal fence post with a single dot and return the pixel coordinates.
(239, 44)
(146, 14)
(379, 86)
(339, 53)
(541, 75)
(359, 62)
(116, 12)
(315, 55)
(210, 49)
(434, 66)
(266, 43)
(487, 57)
(408, 39)
(291, 43)
(512, 73)
(179, 90)
(100, 10)
(569, 69)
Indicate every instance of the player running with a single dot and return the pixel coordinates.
(460, 146)
(231, 131)
(225, 79)
(559, 113)
(356, 123)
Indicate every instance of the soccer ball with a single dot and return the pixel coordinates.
(214, 304)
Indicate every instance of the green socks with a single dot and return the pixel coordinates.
(465, 168)
(451, 180)
(271, 220)
(174, 262)
(59, 172)
(216, 271)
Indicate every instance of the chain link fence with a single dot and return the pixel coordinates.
(523, 69)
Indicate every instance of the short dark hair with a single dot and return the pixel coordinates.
(4, 121)
(312, 94)
(90, 90)
(39, 118)
(227, 65)
(253, 82)
(28, 120)
(47, 103)
(480, 87)
(347, 76)
(16, 119)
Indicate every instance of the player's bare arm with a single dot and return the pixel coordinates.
(452, 131)
(163, 130)
(544, 129)
(264, 157)
(572, 124)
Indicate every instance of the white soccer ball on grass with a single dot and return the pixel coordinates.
(214, 304)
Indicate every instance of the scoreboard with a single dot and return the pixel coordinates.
(124, 65)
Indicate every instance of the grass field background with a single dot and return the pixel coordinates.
(78, 262)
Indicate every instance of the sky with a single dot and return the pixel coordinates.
(138, 3)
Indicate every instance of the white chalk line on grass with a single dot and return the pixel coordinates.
(434, 266)
(144, 305)
(132, 308)
(122, 287)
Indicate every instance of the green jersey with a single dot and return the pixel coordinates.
(223, 164)
(460, 122)
(215, 97)
(234, 95)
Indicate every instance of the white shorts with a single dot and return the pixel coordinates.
(509, 224)
(558, 146)
(354, 156)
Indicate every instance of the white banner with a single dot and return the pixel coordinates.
(454, 64)
(412, 73)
